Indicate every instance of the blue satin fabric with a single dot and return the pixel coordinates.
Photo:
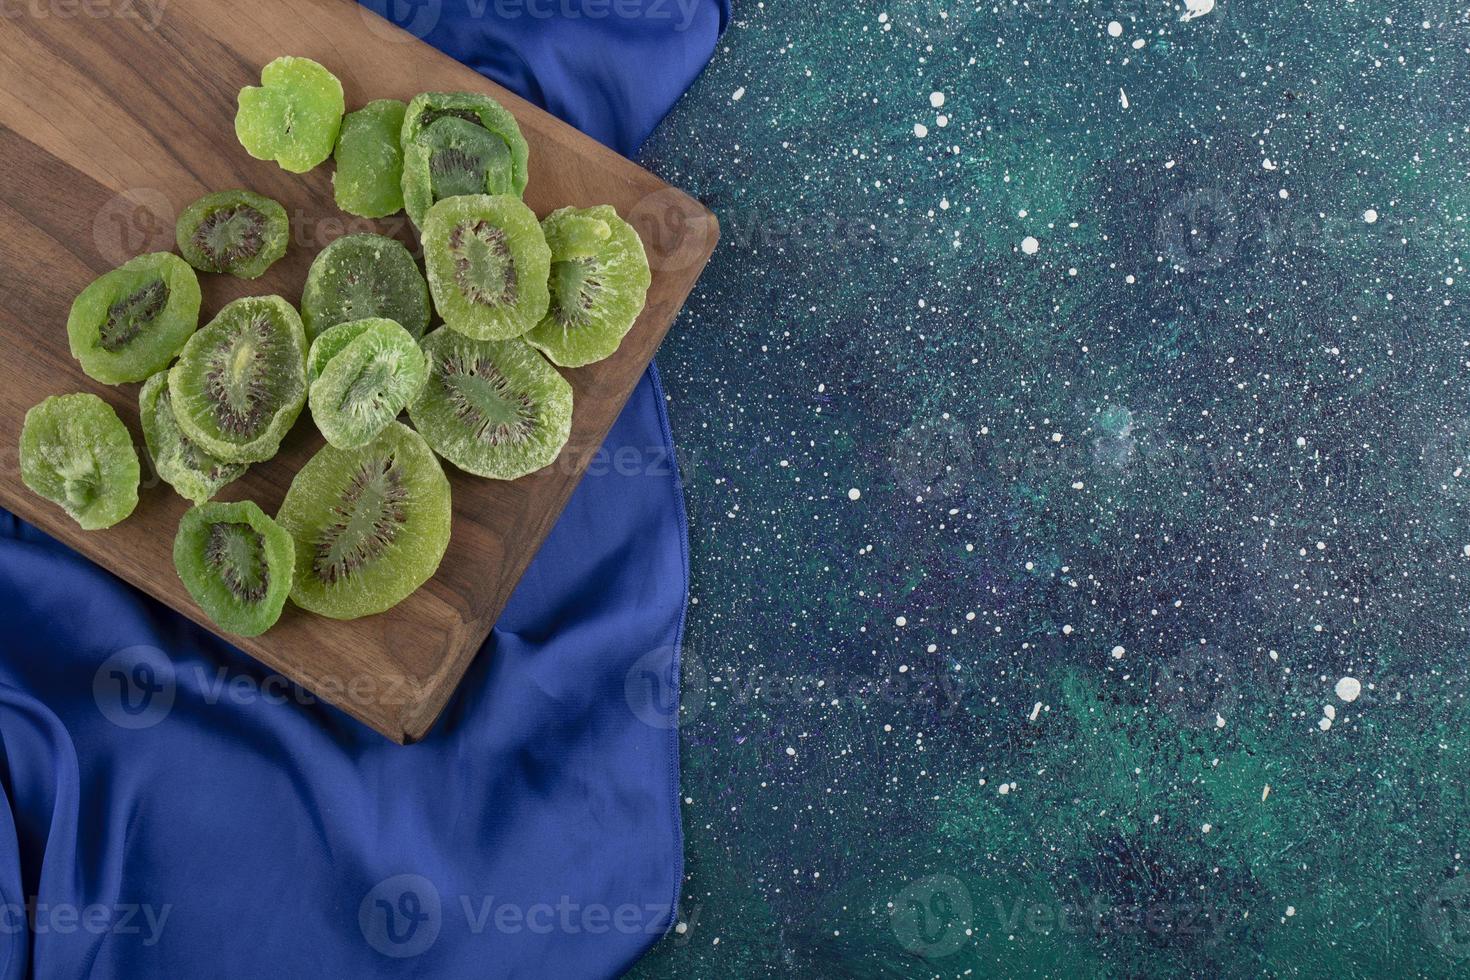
(612, 68)
(173, 809)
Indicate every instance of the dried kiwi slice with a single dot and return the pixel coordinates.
(134, 320)
(237, 563)
(440, 160)
(293, 117)
(75, 452)
(488, 265)
(465, 158)
(180, 463)
(369, 177)
(599, 282)
(492, 408)
(370, 524)
(357, 388)
(237, 232)
(241, 381)
(362, 276)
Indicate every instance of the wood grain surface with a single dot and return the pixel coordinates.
(112, 119)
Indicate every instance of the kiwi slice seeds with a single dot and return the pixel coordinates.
(236, 232)
(488, 265)
(240, 382)
(599, 283)
(132, 321)
(358, 387)
(370, 524)
(237, 564)
(492, 408)
(444, 151)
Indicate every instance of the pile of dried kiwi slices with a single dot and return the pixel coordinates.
(367, 520)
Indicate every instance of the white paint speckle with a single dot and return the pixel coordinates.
(1030, 245)
(1115, 29)
(738, 94)
(1370, 216)
(1196, 8)
(854, 494)
(1348, 689)
(1118, 653)
(920, 130)
(936, 99)
(901, 621)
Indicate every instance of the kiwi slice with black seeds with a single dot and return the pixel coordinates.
(488, 265)
(134, 320)
(241, 381)
(237, 564)
(236, 232)
(599, 283)
(444, 152)
(359, 386)
(492, 408)
(370, 524)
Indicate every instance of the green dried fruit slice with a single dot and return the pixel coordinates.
(599, 283)
(75, 452)
(294, 116)
(441, 158)
(332, 342)
(358, 277)
(134, 320)
(177, 460)
(488, 265)
(237, 563)
(236, 232)
(359, 387)
(241, 381)
(368, 181)
(465, 158)
(492, 408)
(370, 524)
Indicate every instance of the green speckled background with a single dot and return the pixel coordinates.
(1074, 420)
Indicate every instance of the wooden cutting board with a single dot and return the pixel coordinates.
(113, 117)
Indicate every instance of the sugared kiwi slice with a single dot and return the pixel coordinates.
(241, 380)
(362, 276)
(492, 408)
(75, 452)
(130, 322)
(236, 232)
(293, 116)
(368, 181)
(466, 158)
(370, 524)
(488, 265)
(237, 563)
(599, 282)
(362, 375)
(459, 143)
(179, 462)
